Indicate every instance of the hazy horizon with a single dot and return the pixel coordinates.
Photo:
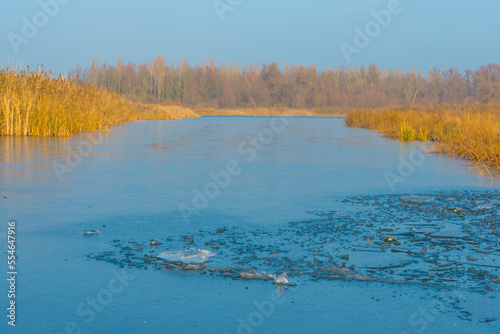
(415, 35)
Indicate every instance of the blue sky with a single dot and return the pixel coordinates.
(422, 34)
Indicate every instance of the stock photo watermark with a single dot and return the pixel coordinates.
(74, 158)
(372, 29)
(420, 320)
(30, 27)
(223, 6)
(406, 167)
(11, 273)
(220, 180)
(263, 310)
(88, 310)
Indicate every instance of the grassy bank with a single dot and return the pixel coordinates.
(276, 111)
(32, 103)
(468, 130)
(165, 111)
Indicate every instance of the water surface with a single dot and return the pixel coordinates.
(131, 183)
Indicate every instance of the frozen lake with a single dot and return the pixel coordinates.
(163, 180)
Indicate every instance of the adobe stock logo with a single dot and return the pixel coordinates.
(223, 6)
(220, 180)
(31, 27)
(363, 37)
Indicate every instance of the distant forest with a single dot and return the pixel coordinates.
(232, 85)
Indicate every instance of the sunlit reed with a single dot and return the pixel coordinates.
(468, 130)
(33, 103)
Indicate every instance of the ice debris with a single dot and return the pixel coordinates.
(416, 199)
(191, 255)
(282, 279)
(90, 232)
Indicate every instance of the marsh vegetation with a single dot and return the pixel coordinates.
(35, 103)
(468, 130)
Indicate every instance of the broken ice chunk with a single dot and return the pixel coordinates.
(188, 256)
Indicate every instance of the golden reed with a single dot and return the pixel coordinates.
(468, 130)
(274, 111)
(33, 103)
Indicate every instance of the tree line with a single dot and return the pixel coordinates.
(232, 85)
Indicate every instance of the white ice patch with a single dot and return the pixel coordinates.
(188, 256)
(485, 207)
(282, 279)
(416, 199)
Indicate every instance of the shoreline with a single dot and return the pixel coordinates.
(466, 130)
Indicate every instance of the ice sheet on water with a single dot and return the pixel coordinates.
(485, 207)
(282, 279)
(253, 274)
(350, 244)
(191, 255)
(416, 199)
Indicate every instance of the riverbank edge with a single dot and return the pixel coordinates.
(466, 130)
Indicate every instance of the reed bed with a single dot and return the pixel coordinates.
(163, 111)
(33, 103)
(274, 111)
(468, 130)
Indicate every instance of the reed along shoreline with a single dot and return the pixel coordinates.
(33, 103)
(467, 130)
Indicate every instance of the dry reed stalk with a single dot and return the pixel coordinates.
(468, 130)
(33, 103)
